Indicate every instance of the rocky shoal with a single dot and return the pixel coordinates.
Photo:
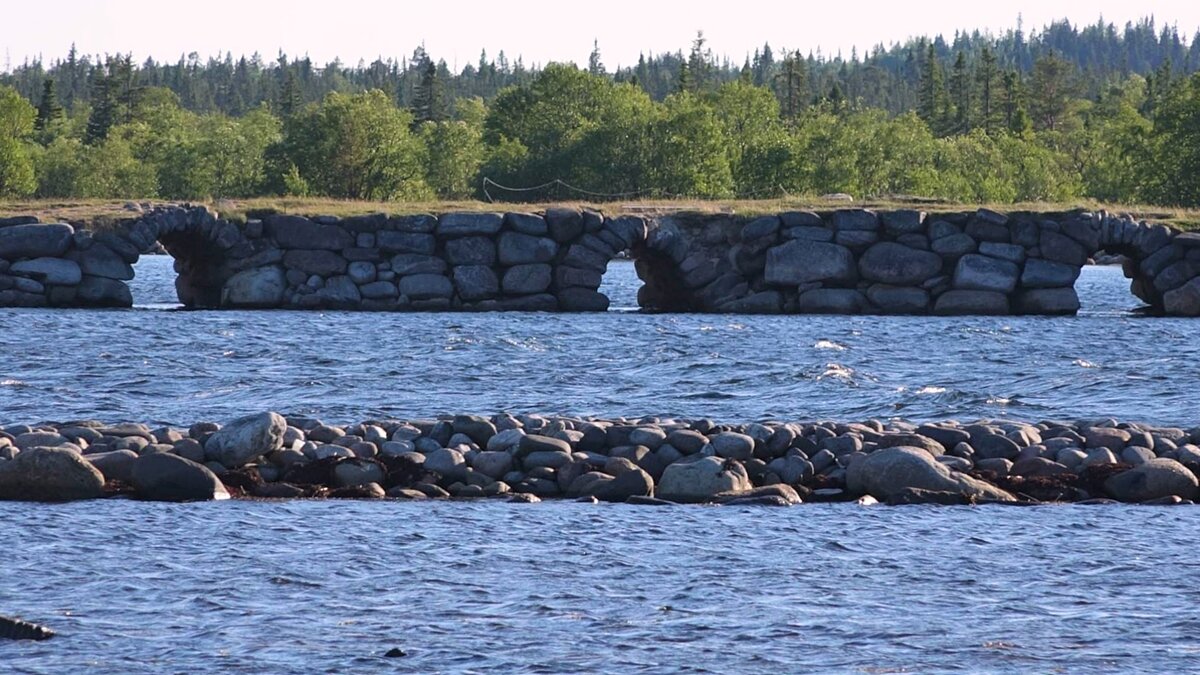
(528, 458)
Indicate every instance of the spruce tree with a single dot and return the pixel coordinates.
(1016, 118)
(49, 110)
(960, 88)
(791, 84)
(104, 108)
(986, 76)
(686, 82)
(427, 99)
(289, 96)
(933, 103)
(595, 65)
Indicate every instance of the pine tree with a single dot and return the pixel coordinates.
(595, 65)
(700, 63)
(1051, 91)
(127, 91)
(960, 89)
(289, 96)
(686, 82)
(104, 108)
(1016, 118)
(986, 76)
(49, 110)
(933, 102)
(427, 99)
(791, 85)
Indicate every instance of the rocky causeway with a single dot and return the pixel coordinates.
(651, 461)
(846, 261)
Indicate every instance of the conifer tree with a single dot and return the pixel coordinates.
(104, 108)
(289, 96)
(933, 104)
(595, 65)
(960, 89)
(987, 76)
(49, 110)
(686, 82)
(427, 99)
(1016, 118)
(791, 83)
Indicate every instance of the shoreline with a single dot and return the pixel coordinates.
(654, 461)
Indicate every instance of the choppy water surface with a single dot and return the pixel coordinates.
(330, 587)
(177, 367)
(563, 587)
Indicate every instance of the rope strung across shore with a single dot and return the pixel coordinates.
(556, 183)
(777, 191)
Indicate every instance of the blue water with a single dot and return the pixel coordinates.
(179, 367)
(559, 587)
(310, 587)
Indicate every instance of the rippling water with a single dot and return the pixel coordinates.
(473, 587)
(178, 367)
(331, 587)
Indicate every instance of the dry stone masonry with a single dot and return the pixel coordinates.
(849, 261)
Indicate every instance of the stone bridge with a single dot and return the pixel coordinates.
(848, 261)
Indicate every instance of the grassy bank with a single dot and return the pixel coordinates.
(100, 212)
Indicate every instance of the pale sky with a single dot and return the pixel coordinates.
(539, 30)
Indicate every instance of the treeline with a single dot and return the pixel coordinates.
(886, 77)
(982, 126)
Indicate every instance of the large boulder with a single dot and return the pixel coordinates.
(1046, 301)
(890, 471)
(632, 483)
(1185, 300)
(115, 465)
(517, 248)
(1040, 273)
(527, 279)
(898, 299)
(832, 301)
(406, 242)
(296, 232)
(984, 273)
(471, 251)
(246, 439)
(1063, 249)
(699, 478)
(322, 263)
(476, 282)
(577, 299)
(803, 261)
(957, 303)
(35, 241)
(162, 477)
(407, 264)
(1155, 479)
(54, 271)
(49, 475)
(103, 292)
(469, 224)
(426, 286)
(258, 287)
(101, 261)
(340, 291)
(896, 264)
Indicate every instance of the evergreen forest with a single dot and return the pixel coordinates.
(1065, 112)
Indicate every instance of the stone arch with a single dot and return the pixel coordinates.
(849, 261)
(857, 261)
